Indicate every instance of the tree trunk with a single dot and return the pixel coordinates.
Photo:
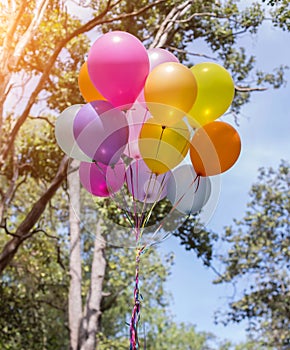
(169, 22)
(92, 311)
(75, 265)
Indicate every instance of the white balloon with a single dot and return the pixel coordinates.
(187, 192)
(64, 133)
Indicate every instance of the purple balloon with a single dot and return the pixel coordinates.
(102, 180)
(118, 66)
(101, 131)
(144, 185)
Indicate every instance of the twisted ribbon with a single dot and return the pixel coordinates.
(134, 342)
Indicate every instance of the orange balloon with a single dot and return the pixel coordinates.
(162, 148)
(170, 91)
(87, 89)
(214, 148)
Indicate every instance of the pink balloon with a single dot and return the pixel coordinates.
(136, 117)
(143, 184)
(156, 57)
(102, 180)
(118, 66)
(101, 131)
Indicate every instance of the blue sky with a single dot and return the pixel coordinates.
(264, 131)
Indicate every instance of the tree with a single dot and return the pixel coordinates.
(44, 40)
(42, 50)
(258, 259)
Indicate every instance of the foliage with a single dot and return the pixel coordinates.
(178, 336)
(33, 298)
(281, 14)
(193, 236)
(259, 254)
(30, 168)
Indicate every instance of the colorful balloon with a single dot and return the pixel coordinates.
(144, 185)
(170, 92)
(64, 133)
(87, 88)
(136, 117)
(215, 94)
(163, 148)
(186, 192)
(118, 66)
(156, 57)
(214, 148)
(101, 131)
(102, 180)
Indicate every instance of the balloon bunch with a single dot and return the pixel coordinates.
(145, 113)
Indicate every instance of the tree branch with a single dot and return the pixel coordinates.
(8, 39)
(42, 118)
(249, 89)
(26, 37)
(167, 25)
(99, 20)
(4, 226)
(190, 53)
(24, 229)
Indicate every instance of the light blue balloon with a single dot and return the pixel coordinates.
(187, 192)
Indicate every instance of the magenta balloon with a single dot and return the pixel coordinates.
(101, 131)
(136, 117)
(143, 184)
(118, 66)
(100, 179)
(158, 56)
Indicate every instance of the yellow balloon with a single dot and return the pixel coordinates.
(170, 91)
(163, 147)
(87, 89)
(215, 93)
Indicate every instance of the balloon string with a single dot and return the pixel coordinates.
(134, 195)
(134, 342)
(197, 178)
(114, 197)
(159, 142)
(145, 115)
(198, 182)
(143, 211)
(161, 188)
(145, 218)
